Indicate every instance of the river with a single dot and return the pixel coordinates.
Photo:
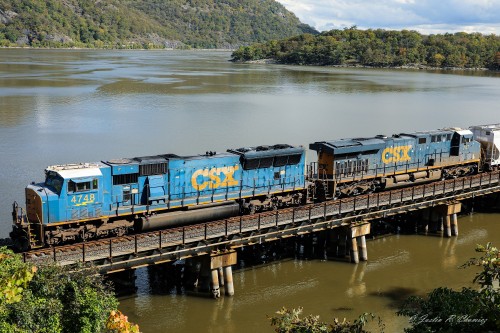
(62, 106)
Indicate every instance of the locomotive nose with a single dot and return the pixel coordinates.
(34, 203)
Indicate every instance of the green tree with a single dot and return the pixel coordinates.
(52, 299)
(381, 48)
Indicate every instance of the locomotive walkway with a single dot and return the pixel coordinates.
(219, 238)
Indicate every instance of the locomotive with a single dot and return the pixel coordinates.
(77, 202)
(93, 200)
(350, 167)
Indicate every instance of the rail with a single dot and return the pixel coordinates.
(187, 240)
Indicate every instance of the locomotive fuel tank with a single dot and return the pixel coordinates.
(186, 217)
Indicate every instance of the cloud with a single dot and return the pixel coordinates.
(426, 16)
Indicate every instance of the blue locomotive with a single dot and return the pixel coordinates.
(93, 200)
(363, 165)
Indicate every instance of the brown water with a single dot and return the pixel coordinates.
(60, 106)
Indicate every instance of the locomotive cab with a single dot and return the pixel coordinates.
(460, 142)
(70, 192)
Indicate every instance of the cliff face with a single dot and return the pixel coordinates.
(145, 23)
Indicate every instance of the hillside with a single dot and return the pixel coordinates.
(380, 48)
(145, 23)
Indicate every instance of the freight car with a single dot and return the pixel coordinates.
(92, 200)
(350, 167)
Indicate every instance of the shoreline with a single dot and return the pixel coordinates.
(112, 49)
(409, 66)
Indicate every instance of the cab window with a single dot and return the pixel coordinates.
(54, 180)
(82, 186)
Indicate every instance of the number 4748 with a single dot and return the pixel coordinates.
(83, 199)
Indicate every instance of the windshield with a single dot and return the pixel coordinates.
(54, 181)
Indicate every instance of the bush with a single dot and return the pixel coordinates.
(288, 321)
(52, 299)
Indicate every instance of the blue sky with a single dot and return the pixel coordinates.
(424, 16)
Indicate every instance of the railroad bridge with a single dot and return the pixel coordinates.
(213, 244)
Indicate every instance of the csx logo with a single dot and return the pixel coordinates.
(214, 178)
(396, 154)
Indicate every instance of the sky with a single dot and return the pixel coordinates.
(424, 16)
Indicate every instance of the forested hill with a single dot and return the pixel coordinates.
(380, 48)
(145, 23)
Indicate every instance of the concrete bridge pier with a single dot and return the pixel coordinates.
(214, 283)
(220, 270)
(358, 232)
(447, 226)
(449, 216)
(214, 272)
(354, 251)
(220, 266)
(228, 281)
(454, 225)
(363, 251)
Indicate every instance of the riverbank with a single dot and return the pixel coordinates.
(409, 66)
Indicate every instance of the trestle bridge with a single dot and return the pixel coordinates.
(214, 243)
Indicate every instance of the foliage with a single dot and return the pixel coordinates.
(14, 277)
(468, 310)
(379, 48)
(118, 323)
(446, 310)
(288, 321)
(145, 23)
(490, 262)
(54, 299)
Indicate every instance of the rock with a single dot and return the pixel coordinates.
(7, 16)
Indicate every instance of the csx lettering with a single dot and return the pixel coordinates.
(396, 154)
(214, 178)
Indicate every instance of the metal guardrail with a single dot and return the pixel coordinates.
(179, 242)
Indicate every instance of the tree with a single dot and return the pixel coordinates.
(382, 48)
(14, 277)
(52, 299)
